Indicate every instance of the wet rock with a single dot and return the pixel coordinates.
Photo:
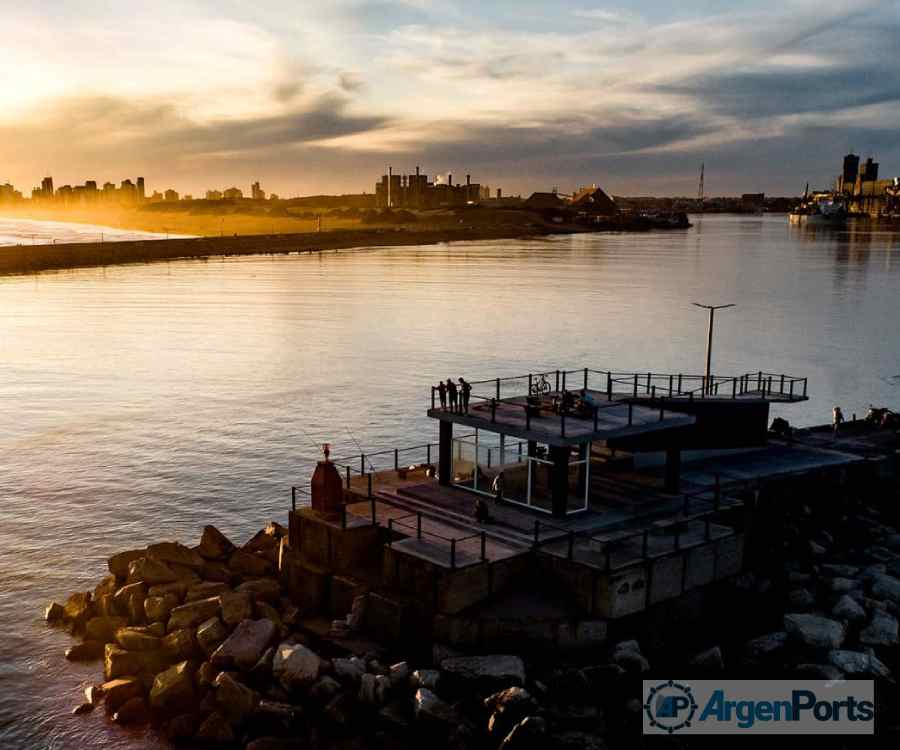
(425, 678)
(173, 552)
(178, 589)
(105, 605)
(800, 600)
(137, 639)
(94, 694)
(495, 671)
(627, 655)
(118, 563)
(324, 689)
(267, 589)
(528, 734)
(129, 600)
(54, 612)
(244, 647)
(83, 708)
(709, 660)
(173, 689)
(356, 618)
(857, 664)
(881, 631)
(182, 727)
(119, 691)
(78, 609)
(215, 571)
(374, 689)
(181, 644)
(295, 666)
(87, 651)
(103, 629)
(206, 674)
(158, 608)
(263, 542)
(133, 711)
(206, 590)
(236, 701)
(150, 571)
(507, 708)
(190, 615)
(118, 662)
(886, 587)
(428, 708)
(765, 647)
(398, 674)
(247, 564)
(815, 631)
(848, 610)
(214, 544)
(216, 730)
(210, 635)
(349, 670)
(236, 607)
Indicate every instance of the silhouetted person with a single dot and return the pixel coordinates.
(465, 391)
(442, 394)
(837, 419)
(452, 394)
(482, 514)
(497, 487)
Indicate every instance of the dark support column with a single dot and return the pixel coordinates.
(445, 457)
(559, 481)
(673, 469)
(532, 447)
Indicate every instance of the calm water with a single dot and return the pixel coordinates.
(140, 403)
(34, 232)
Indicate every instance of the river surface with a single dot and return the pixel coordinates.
(36, 232)
(139, 403)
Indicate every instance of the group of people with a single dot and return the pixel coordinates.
(456, 395)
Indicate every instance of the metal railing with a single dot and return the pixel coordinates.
(420, 532)
(363, 464)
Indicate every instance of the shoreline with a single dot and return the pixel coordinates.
(27, 259)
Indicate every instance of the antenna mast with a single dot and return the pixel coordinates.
(700, 189)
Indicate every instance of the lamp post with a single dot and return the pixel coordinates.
(709, 339)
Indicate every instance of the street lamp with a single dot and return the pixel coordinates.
(707, 388)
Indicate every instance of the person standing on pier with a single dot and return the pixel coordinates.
(451, 392)
(465, 391)
(837, 419)
(442, 394)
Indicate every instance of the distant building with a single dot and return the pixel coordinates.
(593, 200)
(171, 195)
(141, 191)
(416, 192)
(864, 192)
(213, 195)
(187, 197)
(47, 187)
(257, 193)
(541, 201)
(233, 193)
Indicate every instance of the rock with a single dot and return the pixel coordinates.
(177, 589)
(424, 678)
(357, 617)
(349, 670)
(105, 605)
(267, 589)
(262, 541)
(193, 613)
(150, 571)
(800, 600)
(765, 646)
(264, 609)
(133, 711)
(885, 587)
(173, 552)
(490, 672)
(214, 544)
(374, 689)
(295, 666)
(839, 571)
(244, 647)
(215, 729)
(627, 655)
(507, 708)
(103, 629)
(210, 635)
(325, 689)
(428, 708)
(825, 672)
(182, 727)
(848, 610)
(235, 700)
(186, 576)
(181, 644)
(78, 609)
(709, 660)
(83, 708)
(119, 691)
(856, 664)
(236, 607)
(881, 631)
(214, 571)
(158, 608)
(173, 689)
(87, 651)
(247, 564)
(118, 563)
(528, 734)
(129, 600)
(261, 673)
(341, 710)
(94, 694)
(137, 639)
(815, 631)
(843, 585)
(54, 613)
(118, 662)
(206, 590)
(399, 674)
(206, 674)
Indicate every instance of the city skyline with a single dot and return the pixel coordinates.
(532, 94)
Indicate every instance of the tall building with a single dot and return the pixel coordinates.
(141, 192)
(171, 195)
(233, 193)
(257, 193)
(47, 187)
(848, 176)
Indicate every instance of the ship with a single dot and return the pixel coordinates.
(820, 209)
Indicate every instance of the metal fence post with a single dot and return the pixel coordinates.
(347, 468)
(498, 389)
(432, 397)
(635, 385)
(562, 424)
(804, 387)
(557, 381)
(585, 378)
(679, 383)
(396, 459)
(493, 410)
(362, 463)
(608, 386)
(293, 498)
(564, 380)
(428, 454)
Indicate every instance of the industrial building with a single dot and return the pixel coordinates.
(417, 192)
(867, 195)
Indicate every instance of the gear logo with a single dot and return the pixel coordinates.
(670, 706)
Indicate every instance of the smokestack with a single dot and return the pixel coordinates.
(417, 170)
(468, 180)
(450, 180)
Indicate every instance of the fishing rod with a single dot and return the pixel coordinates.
(359, 448)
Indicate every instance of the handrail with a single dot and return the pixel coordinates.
(453, 540)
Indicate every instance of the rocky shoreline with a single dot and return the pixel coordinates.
(204, 644)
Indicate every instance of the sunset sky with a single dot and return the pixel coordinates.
(524, 94)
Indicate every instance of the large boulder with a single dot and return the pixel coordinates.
(133, 711)
(193, 613)
(87, 651)
(205, 590)
(507, 708)
(216, 571)
(137, 639)
(103, 629)
(173, 552)
(54, 612)
(349, 670)
(430, 709)
(129, 600)
(214, 545)
(856, 664)
(181, 644)
(158, 608)
(528, 734)
(295, 666)
(150, 571)
(815, 631)
(215, 729)
(881, 631)
(765, 647)
(173, 690)
(245, 646)
(848, 610)
(374, 689)
(236, 607)
(236, 701)
(119, 691)
(627, 655)
(178, 588)
(886, 587)
(210, 634)
(267, 589)
(248, 564)
(118, 563)
(117, 662)
(78, 608)
(709, 660)
(493, 672)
